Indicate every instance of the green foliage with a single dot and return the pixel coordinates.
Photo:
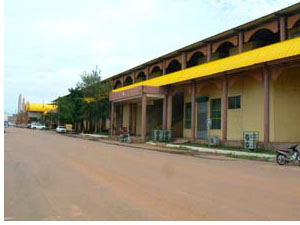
(92, 87)
(73, 107)
(70, 107)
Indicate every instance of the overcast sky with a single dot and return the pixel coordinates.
(49, 43)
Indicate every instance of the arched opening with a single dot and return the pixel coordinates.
(128, 81)
(295, 31)
(196, 59)
(141, 77)
(263, 38)
(224, 49)
(173, 66)
(118, 84)
(155, 72)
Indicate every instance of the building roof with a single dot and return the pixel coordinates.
(244, 27)
(258, 56)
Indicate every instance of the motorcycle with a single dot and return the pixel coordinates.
(286, 156)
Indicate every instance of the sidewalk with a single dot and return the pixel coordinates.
(218, 151)
(176, 148)
(105, 139)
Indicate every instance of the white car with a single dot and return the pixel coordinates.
(33, 125)
(61, 129)
(37, 126)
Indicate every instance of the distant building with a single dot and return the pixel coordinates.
(35, 112)
(32, 112)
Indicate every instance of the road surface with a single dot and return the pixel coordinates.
(54, 177)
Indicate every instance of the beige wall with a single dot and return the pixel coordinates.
(250, 117)
(285, 107)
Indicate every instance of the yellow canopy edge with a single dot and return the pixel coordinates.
(268, 53)
(45, 108)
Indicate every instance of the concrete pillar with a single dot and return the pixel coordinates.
(241, 41)
(111, 129)
(282, 26)
(209, 52)
(164, 119)
(266, 105)
(193, 111)
(121, 115)
(224, 107)
(144, 116)
(183, 60)
(148, 73)
(164, 69)
(133, 77)
(169, 116)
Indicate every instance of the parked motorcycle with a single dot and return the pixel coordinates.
(286, 156)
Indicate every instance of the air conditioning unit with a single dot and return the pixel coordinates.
(167, 135)
(213, 141)
(157, 135)
(251, 139)
(162, 135)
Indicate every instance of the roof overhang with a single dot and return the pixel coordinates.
(137, 92)
(249, 25)
(276, 52)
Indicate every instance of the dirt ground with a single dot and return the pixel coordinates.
(54, 177)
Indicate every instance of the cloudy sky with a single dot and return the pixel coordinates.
(49, 43)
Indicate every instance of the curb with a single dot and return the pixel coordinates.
(218, 151)
(162, 149)
(172, 148)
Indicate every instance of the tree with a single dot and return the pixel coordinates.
(70, 107)
(99, 106)
(87, 101)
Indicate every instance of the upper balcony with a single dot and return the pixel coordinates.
(265, 31)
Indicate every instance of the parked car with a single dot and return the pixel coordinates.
(41, 127)
(37, 126)
(61, 129)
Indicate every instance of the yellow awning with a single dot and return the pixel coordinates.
(268, 53)
(45, 108)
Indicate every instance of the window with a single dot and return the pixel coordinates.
(234, 102)
(216, 113)
(188, 110)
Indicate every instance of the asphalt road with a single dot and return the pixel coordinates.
(53, 177)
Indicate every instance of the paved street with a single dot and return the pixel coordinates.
(54, 177)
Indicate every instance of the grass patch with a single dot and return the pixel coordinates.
(248, 157)
(231, 148)
(184, 148)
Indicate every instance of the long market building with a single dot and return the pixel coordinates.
(244, 79)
